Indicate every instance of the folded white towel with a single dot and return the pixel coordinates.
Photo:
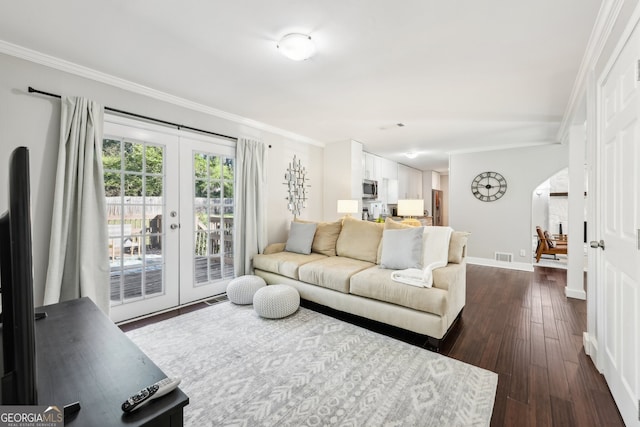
(435, 255)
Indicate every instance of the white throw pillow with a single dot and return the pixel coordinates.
(300, 237)
(402, 248)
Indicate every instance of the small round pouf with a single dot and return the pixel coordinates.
(241, 289)
(276, 301)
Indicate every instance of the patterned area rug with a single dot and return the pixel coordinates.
(308, 370)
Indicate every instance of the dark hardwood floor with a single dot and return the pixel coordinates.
(521, 326)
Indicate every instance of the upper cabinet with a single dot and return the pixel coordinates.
(389, 169)
(409, 183)
(384, 171)
(372, 166)
(378, 168)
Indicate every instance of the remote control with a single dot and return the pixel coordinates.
(147, 394)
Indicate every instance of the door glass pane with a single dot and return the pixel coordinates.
(213, 217)
(134, 184)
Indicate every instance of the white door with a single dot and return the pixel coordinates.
(619, 213)
(207, 175)
(142, 190)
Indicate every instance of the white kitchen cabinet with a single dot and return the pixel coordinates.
(389, 169)
(391, 188)
(372, 166)
(409, 182)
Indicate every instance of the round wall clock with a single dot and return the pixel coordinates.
(489, 186)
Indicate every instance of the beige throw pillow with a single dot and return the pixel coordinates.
(457, 246)
(390, 224)
(324, 241)
(359, 239)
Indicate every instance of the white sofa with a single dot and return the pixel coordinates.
(343, 272)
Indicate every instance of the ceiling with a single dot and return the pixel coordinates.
(461, 75)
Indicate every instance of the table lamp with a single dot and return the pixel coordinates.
(347, 207)
(410, 208)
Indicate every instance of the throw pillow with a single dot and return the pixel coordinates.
(324, 241)
(300, 238)
(390, 224)
(550, 242)
(402, 248)
(457, 246)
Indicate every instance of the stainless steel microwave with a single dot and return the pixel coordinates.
(369, 189)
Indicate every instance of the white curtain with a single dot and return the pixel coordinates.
(78, 251)
(251, 211)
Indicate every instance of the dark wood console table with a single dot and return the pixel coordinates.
(82, 356)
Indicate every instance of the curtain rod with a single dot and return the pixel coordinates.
(140, 116)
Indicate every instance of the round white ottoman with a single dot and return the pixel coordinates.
(241, 289)
(276, 301)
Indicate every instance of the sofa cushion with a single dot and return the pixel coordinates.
(324, 241)
(359, 239)
(402, 248)
(284, 263)
(300, 237)
(332, 272)
(457, 246)
(376, 283)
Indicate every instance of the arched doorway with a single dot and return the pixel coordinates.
(550, 212)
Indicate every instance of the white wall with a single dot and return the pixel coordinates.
(559, 205)
(280, 155)
(540, 208)
(444, 186)
(33, 121)
(342, 178)
(503, 225)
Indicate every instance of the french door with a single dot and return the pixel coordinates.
(207, 233)
(170, 203)
(619, 228)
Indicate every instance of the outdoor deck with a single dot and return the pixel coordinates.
(132, 277)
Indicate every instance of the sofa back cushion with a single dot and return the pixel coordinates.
(324, 241)
(359, 239)
(458, 246)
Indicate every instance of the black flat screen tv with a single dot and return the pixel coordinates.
(16, 274)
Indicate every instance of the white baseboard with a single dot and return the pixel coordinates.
(575, 293)
(590, 344)
(487, 262)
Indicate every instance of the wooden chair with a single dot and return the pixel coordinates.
(550, 245)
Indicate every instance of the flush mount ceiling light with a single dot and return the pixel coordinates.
(297, 47)
(411, 155)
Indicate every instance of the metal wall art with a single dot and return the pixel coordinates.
(297, 183)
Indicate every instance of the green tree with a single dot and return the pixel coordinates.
(140, 161)
(208, 171)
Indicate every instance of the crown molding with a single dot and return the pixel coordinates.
(98, 76)
(501, 147)
(607, 16)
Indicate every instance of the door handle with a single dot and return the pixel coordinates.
(174, 226)
(594, 244)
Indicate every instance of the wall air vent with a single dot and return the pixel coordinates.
(503, 256)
